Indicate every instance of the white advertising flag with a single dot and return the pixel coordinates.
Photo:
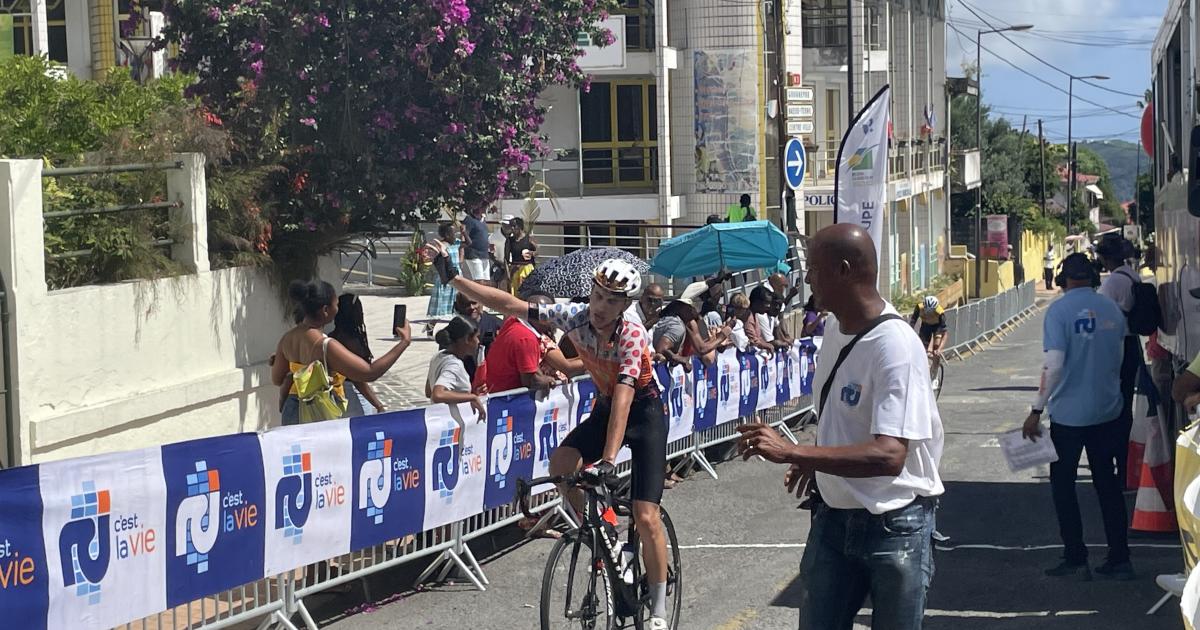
(862, 165)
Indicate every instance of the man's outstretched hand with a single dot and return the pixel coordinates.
(761, 439)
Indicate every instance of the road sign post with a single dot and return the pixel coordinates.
(795, 160)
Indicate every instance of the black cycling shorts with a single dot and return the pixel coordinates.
(928, 331)
(645, 435)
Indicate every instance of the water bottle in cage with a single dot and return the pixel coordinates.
(627, 553)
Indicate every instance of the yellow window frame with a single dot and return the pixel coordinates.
(614, 145)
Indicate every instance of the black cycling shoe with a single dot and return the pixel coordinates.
(1078, 571)
(1122, 571)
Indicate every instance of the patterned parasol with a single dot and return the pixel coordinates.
(570, 275)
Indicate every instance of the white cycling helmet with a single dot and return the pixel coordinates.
(618, 276)
(931, 302)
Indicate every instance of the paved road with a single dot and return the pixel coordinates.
(742, 540)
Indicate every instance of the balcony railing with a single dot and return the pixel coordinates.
(604, 171)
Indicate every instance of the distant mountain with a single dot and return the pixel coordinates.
(1122, 160)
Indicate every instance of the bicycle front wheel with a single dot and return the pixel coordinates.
(938, 379)
(576, 593)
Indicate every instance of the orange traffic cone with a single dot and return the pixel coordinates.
(1154, 510)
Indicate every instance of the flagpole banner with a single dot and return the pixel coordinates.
(387, 461)
(455, 447)
(679, 400)
(104, 528)
(726, 120)
(308, 479)
(860, 184)
(511, 439)
(748, 383)
(766, 381)
(23, 576)
(728, 386)
(705, 395)
(215, 515)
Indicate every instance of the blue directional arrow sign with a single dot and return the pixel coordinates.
(794, 162)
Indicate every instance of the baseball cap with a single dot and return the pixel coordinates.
(1078, 266)
(1111, 244)
(506, 219)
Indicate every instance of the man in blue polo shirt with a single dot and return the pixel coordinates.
(1083, 339)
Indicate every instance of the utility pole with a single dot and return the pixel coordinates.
(850, 61)
(1071, 157)
(1042, 150)
(1137, 175)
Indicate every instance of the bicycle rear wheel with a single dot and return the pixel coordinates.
(576, 593)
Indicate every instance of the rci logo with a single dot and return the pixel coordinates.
(502, 449)
(294, 494)
(851, 394)
(445, 463)
(83, 543)
(723, 382)
(198, 519)
(548, 432)
(675, 399)
(586, 406)
(748, 378)
(1085, 323)
(764, 375)
(375, 478)
(702, 392)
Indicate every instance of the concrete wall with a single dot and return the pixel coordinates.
(115, 367)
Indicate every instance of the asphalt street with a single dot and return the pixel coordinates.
(742, 539)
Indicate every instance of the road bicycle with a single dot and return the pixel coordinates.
(592, 581)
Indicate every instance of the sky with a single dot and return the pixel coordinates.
(1081, 37)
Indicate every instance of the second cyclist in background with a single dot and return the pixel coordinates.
(932, 332)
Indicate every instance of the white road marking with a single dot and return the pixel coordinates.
(954, 547)
(746, 546)
(986, 614)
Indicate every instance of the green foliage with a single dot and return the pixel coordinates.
(906, 303)
(413, 266)
(47, 113)
(1045, 226)
(1144, 203)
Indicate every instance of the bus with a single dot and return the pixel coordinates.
(1176, 174)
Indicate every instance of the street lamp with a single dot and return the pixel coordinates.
(979, 142)
(1070, 144)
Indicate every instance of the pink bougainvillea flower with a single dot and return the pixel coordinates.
(322, 20)
(309, 122)
(312, 99)
(214, 13)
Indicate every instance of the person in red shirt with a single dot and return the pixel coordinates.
(524, 355)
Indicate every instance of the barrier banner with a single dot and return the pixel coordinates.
(455, 443)
(387, 459)
(705, 395)
(747, 383)
(214, 516)
(510, 446)
(553, 418)
(783, 371)
(728, 386)
(678, 397)
(308, 507)
(100, 541)
(766, 381)
(23, 575)
(103, 526)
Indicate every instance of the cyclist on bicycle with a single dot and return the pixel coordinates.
(933, 325)
(616, 353)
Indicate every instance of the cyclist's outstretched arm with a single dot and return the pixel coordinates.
(618, 418)
(502, 301)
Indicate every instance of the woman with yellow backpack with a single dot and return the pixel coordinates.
(318, 364)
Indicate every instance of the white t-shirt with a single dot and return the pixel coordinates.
(882, 388)
(1118, 287)
(634, 314)
(448, 371)
(738, 336)
(766, 326)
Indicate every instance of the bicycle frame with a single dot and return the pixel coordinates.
(604, 551)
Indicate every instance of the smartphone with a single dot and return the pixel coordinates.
(399, 314)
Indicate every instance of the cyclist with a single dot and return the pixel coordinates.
(933, 325)
(616, 353)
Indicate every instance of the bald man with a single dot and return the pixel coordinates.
(874, 474)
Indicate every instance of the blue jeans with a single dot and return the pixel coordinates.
(852, 553)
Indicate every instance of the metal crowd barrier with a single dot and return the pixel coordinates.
(983, 321)
(281, 597)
